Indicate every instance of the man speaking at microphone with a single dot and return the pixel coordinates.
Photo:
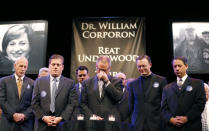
(101, 93)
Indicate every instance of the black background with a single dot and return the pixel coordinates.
(158, 26)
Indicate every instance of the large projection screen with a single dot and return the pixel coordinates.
(23, 38)
(191, 40)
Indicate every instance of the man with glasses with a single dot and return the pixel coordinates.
(145, 95)
(100, 94)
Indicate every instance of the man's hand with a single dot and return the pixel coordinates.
(176, 122)
(56, 121)
(18, 117)
(183, 119)
(48, 120)
(103, 76)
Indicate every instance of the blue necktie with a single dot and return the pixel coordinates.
(54, 90)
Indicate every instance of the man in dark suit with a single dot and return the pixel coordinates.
(145, 95)
(15, 99)
(54, 97)
(101, 93)
(183, 100)
(81, 74)
(122, 106)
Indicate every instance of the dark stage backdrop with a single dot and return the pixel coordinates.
(121, 39)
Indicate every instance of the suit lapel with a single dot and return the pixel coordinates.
(175, 88)
(139, 86)
(15, 85)
(60, 86)
(96, 88)
(24, 87)
(77, 89)
(150, 85)
(48, 88)
(184, 86)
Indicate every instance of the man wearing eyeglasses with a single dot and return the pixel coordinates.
(100, 94)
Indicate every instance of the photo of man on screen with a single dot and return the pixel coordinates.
(188, 42)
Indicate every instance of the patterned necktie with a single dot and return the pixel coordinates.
(19, 86)
(180, 83)
(54, 90)
(204, 120)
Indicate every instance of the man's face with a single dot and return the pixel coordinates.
(206, 38)
(179, 68)
(103, 65)
(21, 67)
(44, 73)
(82, 75)
(190, 35)
(56, 67)
(123, 78)
(144, 67)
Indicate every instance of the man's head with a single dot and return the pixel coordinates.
(144, 65)
(56, 65)
(180, 66)
(43, 72)
(206, 91)
(103, 64)
(21, 66)
(189, 33)
(121, 76)
(82, 73)
(205, 36)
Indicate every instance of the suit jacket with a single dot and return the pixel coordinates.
(91, 103)
(189, 101)
(123, 107)
(76, 110)
(65, 101)
(10, 103)
(145, 106)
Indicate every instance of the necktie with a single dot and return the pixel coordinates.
(80, 88)
(19, 86)
(180, 83)
(54, 90)
(101, 83)
(204, 120)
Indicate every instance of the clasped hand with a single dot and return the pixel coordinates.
(51, 120)
(178, 120)
(18, 117)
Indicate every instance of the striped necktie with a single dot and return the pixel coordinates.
(54, 90)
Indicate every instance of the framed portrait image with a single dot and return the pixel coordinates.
(23, 38)
(191, 40)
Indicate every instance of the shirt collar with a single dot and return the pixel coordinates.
(51, 78)
(145, 77)
(183, 78)
(16, 77)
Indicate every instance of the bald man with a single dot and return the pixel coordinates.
(15, 99)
